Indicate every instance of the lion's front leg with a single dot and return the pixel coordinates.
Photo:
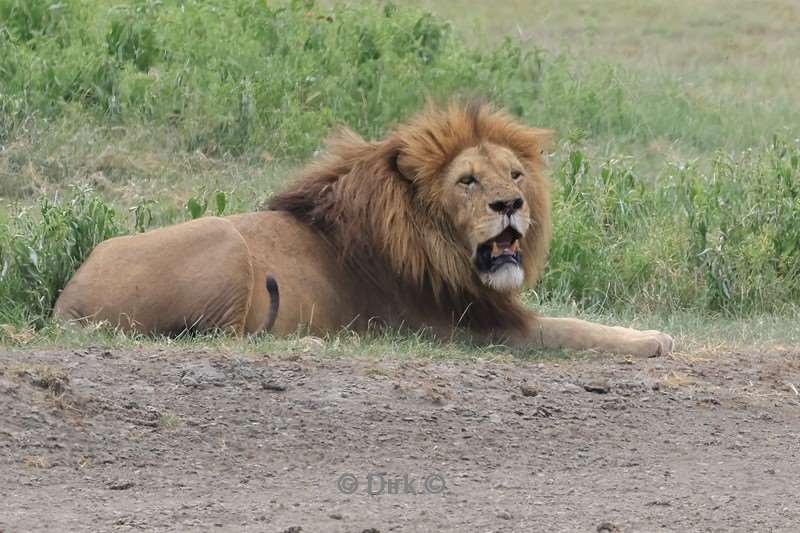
(574, 334)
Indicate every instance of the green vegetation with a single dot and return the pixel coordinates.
(726, 240)
(39, 252)
(671, 197)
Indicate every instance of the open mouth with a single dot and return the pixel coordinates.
(498, 251)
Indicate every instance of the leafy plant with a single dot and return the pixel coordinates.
(39, 252)
(197, 207)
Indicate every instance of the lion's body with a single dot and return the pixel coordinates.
(210, 274)
(437, 226)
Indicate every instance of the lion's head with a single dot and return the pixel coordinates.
(454, 201)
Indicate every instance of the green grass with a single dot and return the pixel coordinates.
(241, 78)
(694, 333)
(722, 240)
(677, 182)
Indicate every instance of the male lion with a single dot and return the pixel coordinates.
(437, 226)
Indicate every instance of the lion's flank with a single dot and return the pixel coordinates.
(377, 201)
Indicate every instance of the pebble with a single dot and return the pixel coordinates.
(273, 386)
(120, 485)
(598, 387)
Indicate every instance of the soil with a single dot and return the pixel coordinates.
(167, 440)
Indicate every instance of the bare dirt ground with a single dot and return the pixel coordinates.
(124, 440)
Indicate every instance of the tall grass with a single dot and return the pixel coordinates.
(721, 240)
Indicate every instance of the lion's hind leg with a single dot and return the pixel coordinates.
(193, 276)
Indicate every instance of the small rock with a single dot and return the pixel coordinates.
(607, 527)
(201, 374)
(243, 370)
(273, 386)
(504, 515)
(597, 387)
(335, 516)
(527, 390)
(571, 388)
(708, 401)
(120, 485)
(189, 381)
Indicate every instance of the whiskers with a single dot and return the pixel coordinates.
(520, 222)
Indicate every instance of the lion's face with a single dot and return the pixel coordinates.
(455, 201)
(484, 189)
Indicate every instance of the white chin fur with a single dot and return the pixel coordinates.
(506, 278)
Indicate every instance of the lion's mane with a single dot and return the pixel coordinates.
(378, 204)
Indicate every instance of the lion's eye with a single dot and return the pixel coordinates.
(468, 180)
(515, 175)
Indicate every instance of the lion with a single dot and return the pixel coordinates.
(436, 227)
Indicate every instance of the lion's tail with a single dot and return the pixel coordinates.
(274, 303)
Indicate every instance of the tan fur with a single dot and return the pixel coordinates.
(387, 232)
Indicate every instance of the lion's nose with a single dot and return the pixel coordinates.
(506, 207)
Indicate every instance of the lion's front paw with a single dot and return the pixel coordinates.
(651, 343)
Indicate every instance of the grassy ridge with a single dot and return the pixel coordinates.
(155, 104)
(228, 77)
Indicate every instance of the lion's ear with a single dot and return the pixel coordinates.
(403, 166)
(544, 138)
(531, 144)
(399, 162)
